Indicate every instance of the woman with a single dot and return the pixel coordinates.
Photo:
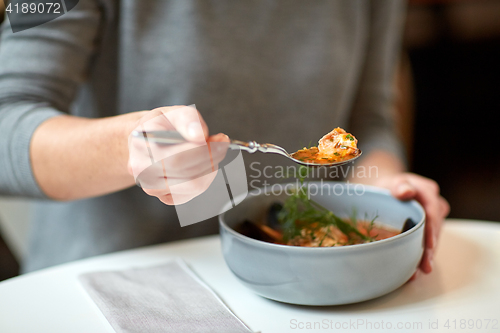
(281, 72)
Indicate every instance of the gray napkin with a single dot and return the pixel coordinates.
(166, 298)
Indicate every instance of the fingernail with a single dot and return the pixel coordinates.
(194, 130)
(431, 259)
(222, 136)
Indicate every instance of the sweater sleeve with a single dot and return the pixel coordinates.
(40, 71)
(372, 117)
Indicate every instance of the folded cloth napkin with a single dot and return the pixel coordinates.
(166, 298)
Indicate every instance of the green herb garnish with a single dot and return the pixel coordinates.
(371, 225)
(300, 212)
(350, 137)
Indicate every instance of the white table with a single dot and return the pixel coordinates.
(463, 290)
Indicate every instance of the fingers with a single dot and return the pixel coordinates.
(176, 174)
(430, 200)
(199, 160)
(427, 260)
(426, 191)
(155, 120)
(181, 188)
(183, 166)
(444, 207)
(190, 174)
(404, 190)
(179, 191)
(142, 154)
(186, 161)
(187, 121)
(436, 208)
(184, 119)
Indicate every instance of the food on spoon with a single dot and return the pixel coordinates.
(336, 146)
(338, 141)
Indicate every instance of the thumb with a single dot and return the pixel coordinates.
(404, 190)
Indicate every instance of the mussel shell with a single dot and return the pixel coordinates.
(409, 223)
(250, 229)
(272, 215)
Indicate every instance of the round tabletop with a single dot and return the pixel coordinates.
(462, 294)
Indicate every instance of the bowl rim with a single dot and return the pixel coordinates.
(373, 189)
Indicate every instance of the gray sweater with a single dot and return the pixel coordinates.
(280, 71)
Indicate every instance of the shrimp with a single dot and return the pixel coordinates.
(338, 142)
(338, 145)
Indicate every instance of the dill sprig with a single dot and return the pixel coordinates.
(300, 211)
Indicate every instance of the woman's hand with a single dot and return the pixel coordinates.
(407, 186)
(175, 174)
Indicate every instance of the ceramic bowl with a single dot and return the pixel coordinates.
(327, 275)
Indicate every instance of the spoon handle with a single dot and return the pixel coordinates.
(253, 146)
(160, 137)
(174, 138)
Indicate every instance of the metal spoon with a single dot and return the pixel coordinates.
(173, 138)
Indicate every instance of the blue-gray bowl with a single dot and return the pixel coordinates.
(327, 275)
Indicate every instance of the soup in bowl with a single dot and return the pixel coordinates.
(347, 270)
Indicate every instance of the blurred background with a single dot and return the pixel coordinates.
(448, 85)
